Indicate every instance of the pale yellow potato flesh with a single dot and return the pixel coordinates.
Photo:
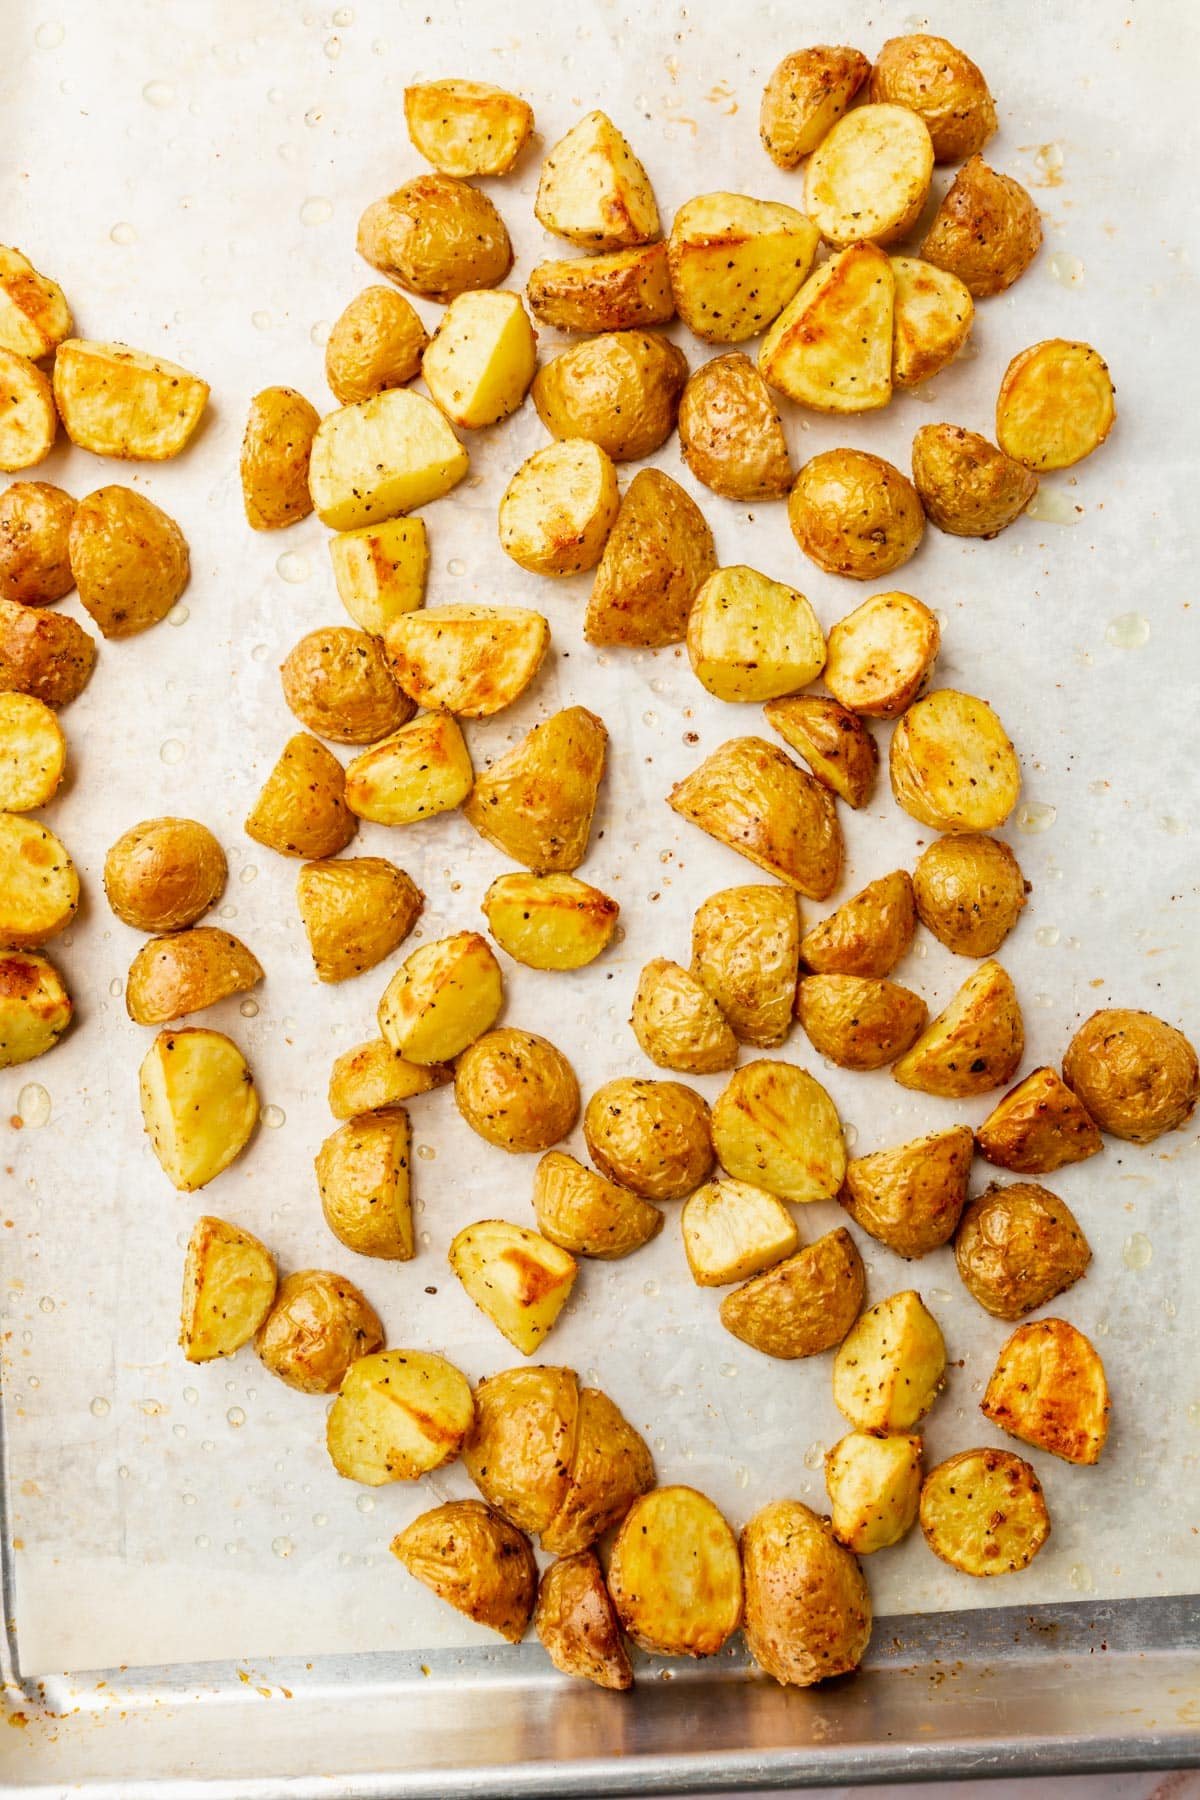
(890, 1367)
(422, 769)
(35, 1007)
(33, 753)
(874, 1487)
(380, 457)
(831, 347)
(549, 921)
(199, 1104)
(752, 639)
(28, 421)
(870, 176)
(116, 401)
(468, 660)
(516, 1277)
(480, 361)
(467, 127)
(229, 1281)
(594, 191)
(932, 319)
(880, 654)
(380, 571)
(398, 1415)
(732, 1230)
(39, 885)
(443, 996)
(674, 1575)
(736, 263)
(558, 509)
(34, 315)
(952, 764)
(776, 1127)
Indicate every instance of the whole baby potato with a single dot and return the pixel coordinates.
(620, 389)
(338, 683)
(1018, 1247)
(652, 1136)
(516, 1090)
(44, 654)
(35, 528)
(939, 82)
(436, 236)
(377, 342)
(730, 431)
(164, 873)
(276, 448)
(855, 514)
(1136, 1075)
(808, 1608)
(129, 560)
(987, 230)
(967, 486)
(318, 1325)
(969, 891)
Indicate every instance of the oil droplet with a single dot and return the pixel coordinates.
(1172, 826)
(116, 987)
(123, 1473)
(1137, 1252)
(249, 1009)
(650, 1288)
(317, 210)
(158, 93)
(814, 1456)
(1049, 160)
(1169, 1307)
(46, 1304)
(292, 567)
(1047, 936)
(1045, 1000)
(1080, 1578)
(49, 36)
(192, 1396)
(313, 116)
(172, 752)
(228, 912)
(344, 16)
(33, 1105)
(320, 1519)
(365, 1503)
(1193, 1413)
(850, 1136)
(344, 1559)
(282, 1546)
(236, 1417)
(333, 48)
(426, 1152)
(179, 1431)
(742, 1477)
(260, 652)
(1050, 506)
(728, 1369)
(319, 335)
(261, 320)
(1129, 631)
(273, 1117)
(123, 233)
(204, 1542)
(178, 615)
(456, 566)
(248, 874)
(650, 719)
(1066, 269)
(101, 1407)
(1035, 817)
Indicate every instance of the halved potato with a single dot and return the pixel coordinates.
(831, 348)
(867, 935)
(399, 1414)
(577, 1623)
(276, 446)
(28, 421)
(621, 390)
(967, 486)
(337, 682)
(730, 431)
(129, 560)
(516, 1089)
(319, 1323)
(986, 231)
(229, 1283)
(163, 874)
(186, 972)
(736, 263)
(932, 320)
(1137, 1075)
(745, 949)
(34, 315)
(674, 1575)
(536, 801)
(39, 886)
(549, 921)
(559, 507)
(116, 401)
(937, 80)
(302, 808)
(984, 1513)
(442, 997)
(678, 1023)
(604, 293)
(804, 1305)
(805, 96)
(808, 1609)
(355, 911)
(467, 127)
(436, 236)
(1056, 404)
(952, 765)
(518, 1278)
(422, 769)
(870, 176)
(732, 1230)
(35, 1007)
(1049, 1389)
(594, 191)
(380, 457)
(911, 1196)
(833, 741)
(377, 342)
(363, 1179)
(974, 1044)
(588, 1215)
(380, 571)
(751, 796)
(751, 638)
(199, 1104)
(1039, 1126)
(874, 1487)
(969, 892)
(35, 531)
(481, 359)
(880, 653)
(890, 1367)
(475, 1561)
(44, 654)
(33, 753)
(610, 1466)
(372, 1076)
(468, 660)
(658, 553)
(652, 1136)
(775, 1126)
(1018, 1247)
(854, 514)
(859, 1021)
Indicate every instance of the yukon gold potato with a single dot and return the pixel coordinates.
(536, 801)
(517, 1278)
(199, 1104)
(751, 796)
(736, 262)
(1039, 1126)
(164, 874)
(442, 997)
(808, 1608)
(588, 1215)
(577, 1623)
(732, 1230)
(967, 486)
(890, 1367)
(975, 1044)
(1018, 1247)
(730, 432)
(475, 1561)
(932, 320)
(751, 638)
(436, 236)
(621, 390)
(372, 1076)
(187, 972)
(549, 921)
(776, 1127)
(604, 293)
(652, 1136)
(363, 1180)
(382, 456)
(855, 514)
(422, 769)
(276, 446)
(33, 753)
(319, 1323)
(468, 660)
(116, 401)
(831, 348)
(859, 1021)
(1056, 404)
(610, 1466)
(337, 682)
(523, 1443)
(803, 1305)
(969, 892)
(44, 654)
(880, 653)
(129, 560)
(559, 508)
(911, 1196)
(1136, 1075)
(481, 360)
(35, 529)
(874, 1487)
(228, 1286)
(870, 176)
(986, 231)
(659, 552)
(833, 741)
(355, 910)
(398, 1414)
(380, 571)
(467, 127)
(745, 949)
(516, 1089)
(34, 315)
(867, 935)
(39, 885)
(952, 765)
(1049, 1389)
(594, 191)
(674, 1575)
(678, 1023)
(28, 421)
(806, 94)
(377, 342)
(939, 82)
(984, 1513)
(302, 808)
(35, 1007)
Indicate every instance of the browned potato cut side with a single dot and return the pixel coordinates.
(467, 127)
(675, 1576)
(975, 1044)
(952, 764)
(1049, 1389)
(372, 1076)
(419, 771)
(199, 1104)
(517, 1278)
(398, 1415)
(39, 886)
(932, 320)
(443, 997)
(558, 509)
(870, 176)
(33, 753)
(776, 1127)
(983, 1512)
(116, 401)
(549, 921)
(874, 1487)
(28, 420)
(833, 741)
(34, 315)
(831, 347)
(594, 191)
(736, 263)
(938, 81)
(469, 660)
(880, 654)
(35, 1008)
(613, 292)
(1056, 404)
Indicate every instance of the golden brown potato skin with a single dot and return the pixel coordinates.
(911, 1197)
(1018, 1247)
(1137, 1075)
(987, 230)
(659, 552)
(805, 1304)
(969, 891)
(808, 1609)
(610, 1467)
(436, 236)
(474, 1560)
(751, 796)
(318, 1325)
(35, 526)
(186, 972)
(363, 1180)
(588, 1215)
(302, 809)
(536, 801)
(936, 80)
(338, 683)
(652, 1136)
(868, 934)
(745, 949)
(806, 95)
(1039, 1126)
(615, 292)
(164, 874)
(967, 486)
(276, 446)
(516, 1090)
(376, 343)
(855, 514)
(621, 390)
(44, 654)
(730, 431)
(522, 1444)
(129, 560)
(859, 1021)
(355, 911)
(678, 1023)
(577, 1623)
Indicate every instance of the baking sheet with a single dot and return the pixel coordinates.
(193, 176)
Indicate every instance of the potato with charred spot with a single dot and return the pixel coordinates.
(467, 127)
(675, 1576)
(911, 1196)
(745, 950)
(577, 1622)
(612, 292)
(652, 1136)
(987, 230)
(469, 660)
(1136, 1075)
(880, 654)
(1018, 1247)
(806, 94)
(1049, 1389)
(808, 1608)
(968, 487)
(228, 1287)
(868, 934)
(549, 921)
(35, 1007)
(475, 1561)
(319, 1323)
(518, 1279)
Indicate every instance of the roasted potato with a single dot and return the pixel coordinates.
(468, 660)
(621, 390)
(831, 348)
(549, 921)
(804, 1305)
(476, 1562)
(559, 507)
(44, 654)
(373, 1075)
(380, 571)
(890, 1367)
(34, 315)
(867, 935)
(855, 514)
(751, 796)
(164, 874)
(751, 638)
(436, 236)
(808, 1609)
(610, 1465)
(967, 486)
(363, 1180)
(1136, 1075)
(932, 320)
(35, 1007)
(952, 765)
(523, 1443)
(911, 1196)
(880, 654)
(613, 292)
(775, 1126)
(594, 191)
(658, 553)
(228, 1286)
(442, 997)
(382, 456)
(652, 1136)
(859, 1021)
(481, 359)
(187, 972)
(746, 949)
(517, 1279)
(969, 892)
(398, 1414)
(674, 1575)
(35, 530)
(986, 231)
(337, 682)
(276, 446)
(129, 560)
(33, 753)
(1039, 1126)
(536, 801)
(730, 432)
(577, 1623)
(869, 177)
(377, 342)
(302, 808)
(28, 421)
(1056, 404)
(678, 1023)
(1018, 1247)
(736, 262)
(732, 1230)
(939, 82)
(516, 1089)
(467, 127)
(983, 1512)
(584, 1213)
(805, 96)
(355, 911)
(1049, 1389)
(422, 769)
(116, 401)
(319, 1323)
(833, 741)
(874, 1487)
(199, 1104)
(39, 885)
(975, 1044)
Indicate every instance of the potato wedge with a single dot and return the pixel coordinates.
(536, 801)
(975, 1044)
(517, 1278)
(468, 660)
(1136, 1075)
(952, 765)
(831, 347)
(967, 486)
(436, 236)
(577, 1623)
(372, 1076)
(808, 1609)
(911, 1196)
(594, 191)
(35, 1007)
(481, 359)
(355, 911)
(614, 292)
(674, 1575)
(621, 390)
(745, 950)
(28, 421)
(187, 972)
(380, 457)
(467, 127)
(1018, 1247)
(775, 1126)
(652, 1136)
(986, 231)
(377, 342)
(319, 1323)
(880, 654)
(549, 921)
(39, 885)
(658, 553)
(751, 638)
(984, 1513)
(44, 654)
(867, 935)
(1039, 1126)
(1055, 406)
(33, 753)
(475, 1561)
(276, 447)
(116, 401)
(302, 808)
(870, 176)
(164, 874)
(732, 1230)
(939, 82)
(931, 322)
(859, 1021)
(1049, 1389)
(35, 530)
(398, 1414)
(855, 514)
(559, 507)
(199, 1104)
(833, 741)
(736, 263)
(422, 769)
(363, 1180)
(522, 1443)
(806, 94)
(804, 1305)
(516, 1089)
(442, 997)
(337, 682)
(969, 892)
(380, 571)
(678, 1023)
(730, 431)
(582, 1212)
(229, 1282)
(890, 1367)
(751, 796)
(610, 1467)
(129, 560)
(34, 315)
(874, 1487)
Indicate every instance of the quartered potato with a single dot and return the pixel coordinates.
(1056, 404)
(398, 1414)
(969, 892)
(867, 935)
(675, 1575)
(730, 432)
(164, 874)
(129, 560)
(44, 654)
(613, 292)
(536, 801)
(559, 507)
(468, 660)
(588, 1215)
(1039, 1126)
(938, 81)
(355, 910)
(751, 638)
(609, 1467)
(874, 1487)
(967, 486)
(338, 683)
(199, 1105)
(975, 1044)
(986, 231)
(808, 1609)
(516, 1089)
(476, 1562)
(33, 753)
(621, 390)
(520, 1280)
(855, 514)
(932, 320)
(276, 446)
(116, 401)
(467, 127)
(481, 359)
(549, 921)
(659, 552)
(831, 348)
(436, 236)
(732, 1230)
(35, 529)
(372, 1076)
(952, 765)
(775, 1126)
(880, 653)
(34, 315)
(302, 808)
(319, 1323)
(983, 1512)
(377, 342)
(859, 1021)
(652, 1136)
(803, 1305)
(870, 176)
(380, 571)
(1049, 1389)
(911, 1196)
(186, 972)
(35, 1008)
(833, 741)
(746, 949)
(805, 96)
(442, 997)
(1018, 1247)
(594, 191)
(751, 796)
(363, 1179)
(28, 421)
(39, 886)
(577, 1623)
(382, 456)
(228, 1286)
(890, 1367)
(1136, 1075)
(422, 769)
(736, 262)
(523, 1443)
(678, 1023)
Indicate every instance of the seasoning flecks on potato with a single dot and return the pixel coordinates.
(382, 456)
(1039, 1126)
(164, 874)
(199, 1104)
(398, 1415)
(931, 321)
(467, 127)
(874, 1487)
(970, 892)
(609, 1467)
(586, 1213)
(675, 1575)
(577, 1623)
(302, 810)
(1136, 1075)
(652, 1136)
(33, 753)
(1018, 1247)
(975, 1044)
(35, 531)
(986, 231)
(880, 654)
(854, 514)
(968, 487)
(523, 1441)
(372, 1076)
(984, 1513)
(319, 1323)
(129, 560)
(804, 1305)
(116, 401)
(44, 654)
(34, 315)
(39, 884)
(775, 1126)
(952, 764)
(419, 771)
(833, 741)
(186, 972)
(28, 420)
(229, 1282)
(276, 447)
(746, 950)
(437, 236)
(890, 1366)
(750, 638)
(804, 97)
(549, 921)
(481, 359)
(616, 291)
(475, 1561)
(516, 1089)
(338, 683)
(732, 1230)
(558, 509)
(750, 795)
(1056, 404)
(859, 1021)
(380, 570)
(808, 1608)
(911, 1196)
(35, 1007)
(870, 176)
(658, 553)
(1049, 1389)
(355, 911)
(621, 390)
(736, 263)
(363, 1180)
(594, 191)
(377, 342)
(831, 347)
(469, 660)
(939, 82)
(536, 802)
(442, 997)
(517, 1278)
(868, 934)
(730, 433)
(678, 1023)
